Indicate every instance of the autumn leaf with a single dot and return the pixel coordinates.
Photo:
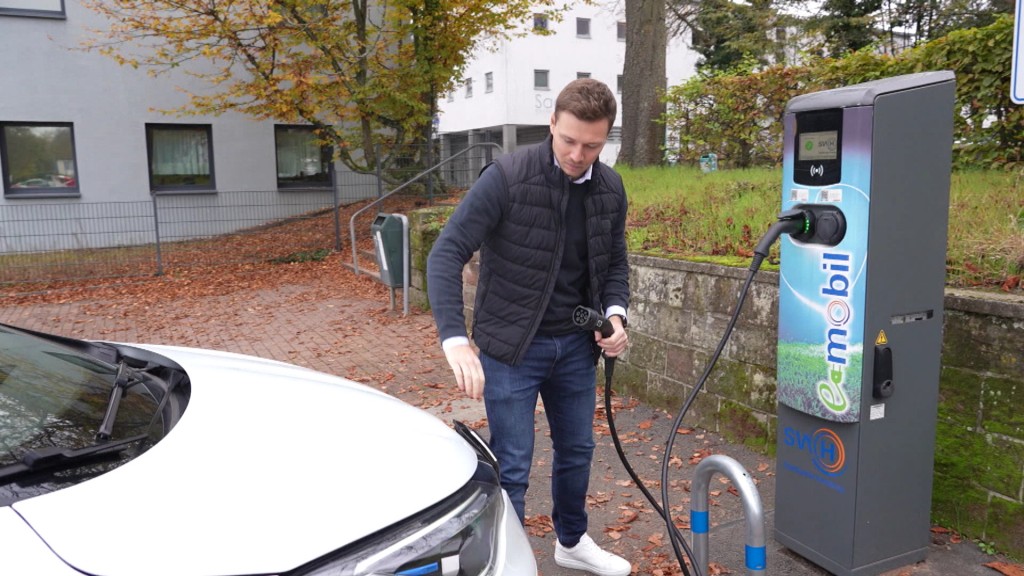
(1006, 569)
(538, 525)
(715, 569)
(696, 457)
(628, 516)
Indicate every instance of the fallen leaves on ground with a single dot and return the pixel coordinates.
(539, 525)
(229, 263)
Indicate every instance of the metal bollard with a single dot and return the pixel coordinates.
(756, 557)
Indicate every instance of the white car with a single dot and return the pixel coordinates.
(131, 460)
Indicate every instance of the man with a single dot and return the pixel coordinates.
(549, 221)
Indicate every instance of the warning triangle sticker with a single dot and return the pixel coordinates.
(882, 340)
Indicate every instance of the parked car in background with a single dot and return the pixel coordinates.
(51, 181)
(122, 460)
(33, 183)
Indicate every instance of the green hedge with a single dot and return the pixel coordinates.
(738, 116)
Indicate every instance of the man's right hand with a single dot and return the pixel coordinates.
(469, 373)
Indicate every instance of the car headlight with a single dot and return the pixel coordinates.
(460, 536)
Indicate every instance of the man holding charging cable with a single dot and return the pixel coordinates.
(549, 221)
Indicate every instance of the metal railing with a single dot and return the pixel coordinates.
(55, 240)
(47, 241)
(378, 201)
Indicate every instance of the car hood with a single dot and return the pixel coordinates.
(271, 466)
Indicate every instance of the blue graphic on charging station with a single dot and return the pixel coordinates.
(821, 288)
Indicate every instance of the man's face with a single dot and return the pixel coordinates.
(577, 144)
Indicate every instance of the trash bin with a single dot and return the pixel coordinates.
(387, 231)
(709, 162)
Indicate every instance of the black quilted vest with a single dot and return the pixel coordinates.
(518, 262)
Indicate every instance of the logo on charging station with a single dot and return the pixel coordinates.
(832, 390)
(827, 452)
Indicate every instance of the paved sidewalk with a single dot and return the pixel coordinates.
(315, 324)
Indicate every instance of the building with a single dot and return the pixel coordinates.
(510, 85)
(86, 158)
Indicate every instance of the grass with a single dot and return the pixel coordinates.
(719, 216)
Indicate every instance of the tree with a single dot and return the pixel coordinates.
(364, 74)
(891, 26)
(643, 84)
(728, 33)
(920, 21)
(847, 25)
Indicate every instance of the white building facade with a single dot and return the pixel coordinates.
(87, 160)
(511, 85)
(81, 134)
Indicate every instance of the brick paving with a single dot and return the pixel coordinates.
(305, 325)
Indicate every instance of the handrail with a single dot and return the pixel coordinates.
(352, 220)
(756, 559)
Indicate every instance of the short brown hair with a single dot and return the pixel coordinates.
(587, 99)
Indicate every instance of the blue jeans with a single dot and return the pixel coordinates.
(560, 369)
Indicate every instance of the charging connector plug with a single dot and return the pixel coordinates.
(794, 221)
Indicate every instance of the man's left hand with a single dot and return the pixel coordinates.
(615, 344)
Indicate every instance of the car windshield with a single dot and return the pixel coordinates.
(52, 396)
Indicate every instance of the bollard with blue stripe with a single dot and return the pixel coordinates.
(755, 552)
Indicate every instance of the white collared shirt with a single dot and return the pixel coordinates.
(581, 179)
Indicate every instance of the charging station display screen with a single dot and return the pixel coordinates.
(818, 146)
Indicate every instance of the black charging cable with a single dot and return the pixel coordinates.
(795, 221)
(589, 319)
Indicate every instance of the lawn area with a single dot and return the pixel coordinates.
(719, 216)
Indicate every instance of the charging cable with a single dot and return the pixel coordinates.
(797, 221)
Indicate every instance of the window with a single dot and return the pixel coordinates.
(38, 8)
(620, 30)
(582, 75)
(302, 161)
(618, 83)
(540, 79)
(583, 27)
(38, 159)
(469, 87)
(540, 22)
(180, 157)
(489, 82)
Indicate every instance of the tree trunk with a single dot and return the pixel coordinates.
(643, 83)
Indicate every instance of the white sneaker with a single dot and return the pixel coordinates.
(587, 555)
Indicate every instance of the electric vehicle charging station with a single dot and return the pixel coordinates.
(860, 320)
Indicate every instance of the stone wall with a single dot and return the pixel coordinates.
(679, 311)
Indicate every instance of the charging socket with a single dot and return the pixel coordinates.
(826, 224)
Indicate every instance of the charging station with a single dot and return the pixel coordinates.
(860, 320)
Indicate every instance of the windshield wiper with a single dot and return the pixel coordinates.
(125, 379)
(58, 457)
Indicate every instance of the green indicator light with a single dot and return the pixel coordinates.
(807, 225)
